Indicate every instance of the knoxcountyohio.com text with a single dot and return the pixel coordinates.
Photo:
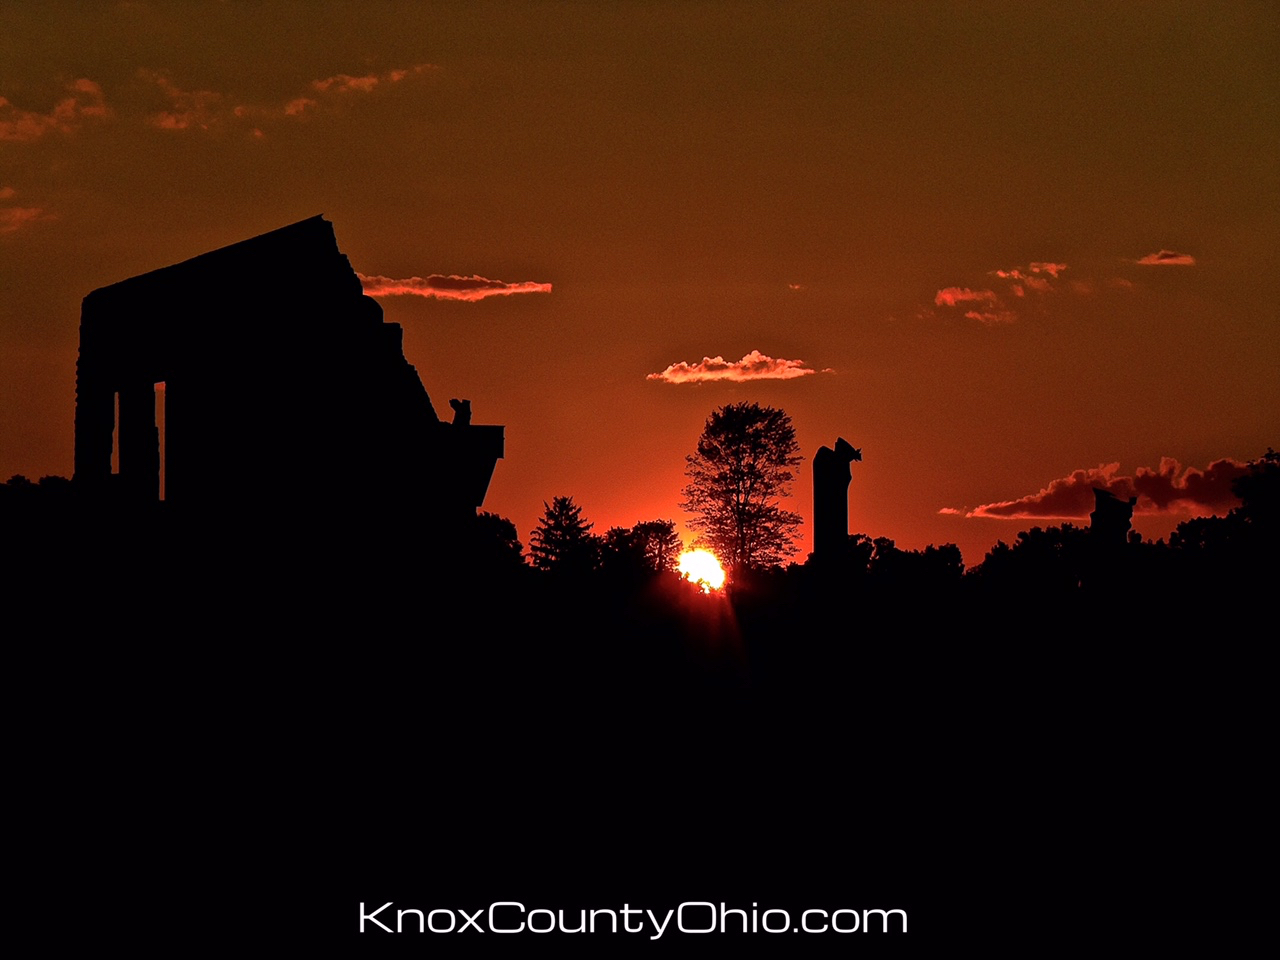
(689, 917)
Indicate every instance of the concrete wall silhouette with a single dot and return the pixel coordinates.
(283, 387)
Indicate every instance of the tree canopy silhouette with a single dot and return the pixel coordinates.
(658, 541)
(743, 467)
(562, 541)
(494, 544)
(652, 546)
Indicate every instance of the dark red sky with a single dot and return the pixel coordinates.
(835, 186)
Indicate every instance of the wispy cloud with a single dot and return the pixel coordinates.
(296, 107)
(345, 83)
(1167, 489)
(1009, 294)
(754, 366)
(451, 287)
(992, 318)
(994, 307)
(85, 102)
(1167, 258)
(13, 219)
(188, 109)
(207, 109)
(952, 296)
(1030, 271)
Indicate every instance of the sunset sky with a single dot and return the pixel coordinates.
(1010, 250)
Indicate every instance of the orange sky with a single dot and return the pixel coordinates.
(1011, 241)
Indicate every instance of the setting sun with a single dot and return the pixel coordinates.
(701, 567)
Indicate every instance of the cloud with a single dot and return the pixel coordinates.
(450, 287)
(1022, 291)
(1167, 258)
(296, 107)
(950, 296)
(1167, 489)
(992, 317)
(345, 83)
(188, 109)
(950, 512)
(85, 102)
(996, 306)
(1029, 272)
(754, 366)
(1037, 275)
(206, 109)
(13, 219)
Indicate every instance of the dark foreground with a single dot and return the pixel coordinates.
(250, 741)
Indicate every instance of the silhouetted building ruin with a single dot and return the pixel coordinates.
(831, 476)
(1111, 518)
(284, 391)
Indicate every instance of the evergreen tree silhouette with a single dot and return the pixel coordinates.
(562, 541)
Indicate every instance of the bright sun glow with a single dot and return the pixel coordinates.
(702, 567)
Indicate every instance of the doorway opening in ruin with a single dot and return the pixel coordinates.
(159, 416)
(158, 421)
(115, 433)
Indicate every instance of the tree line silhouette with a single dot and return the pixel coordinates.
(621, 586)
(1041, 564)
(562, 544)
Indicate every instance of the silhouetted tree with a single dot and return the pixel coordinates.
(742, 468)
(1259, 492)
(658, 541)
(1239, 551)
(651, 546)
(562, 541)
(858, 551)
(1201, 534)
(620, 555)
(928, 571)
(50, 490)
(495, 544)
(1049, 560)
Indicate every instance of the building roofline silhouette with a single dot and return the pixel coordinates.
(282, 383)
